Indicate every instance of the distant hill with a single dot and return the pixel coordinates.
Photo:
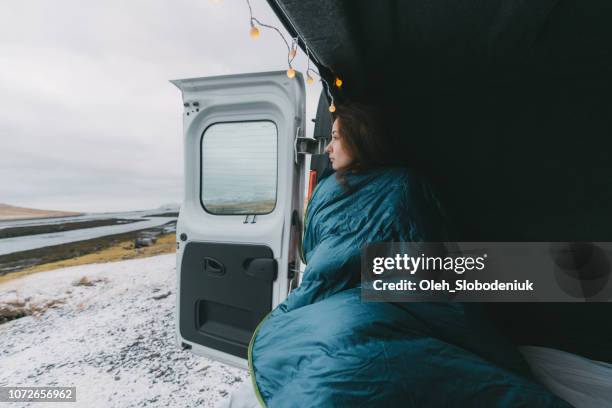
(170, 207)
(10, 212)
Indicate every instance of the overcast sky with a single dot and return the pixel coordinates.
(88, 119)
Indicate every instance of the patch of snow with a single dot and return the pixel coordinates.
(113, 338)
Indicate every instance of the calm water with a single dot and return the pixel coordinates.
(24, 243)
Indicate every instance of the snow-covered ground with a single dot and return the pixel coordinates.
(114, 339)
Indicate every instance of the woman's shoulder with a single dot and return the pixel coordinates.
(386, 178)
(326, 185)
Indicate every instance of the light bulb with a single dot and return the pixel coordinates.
(338, 82)
(292, 53)
(254, 32)
(309, 79)
(291, 72)
(332, 108)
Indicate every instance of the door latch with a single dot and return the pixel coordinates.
(303, 145)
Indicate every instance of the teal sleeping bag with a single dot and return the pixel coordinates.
(324, 347)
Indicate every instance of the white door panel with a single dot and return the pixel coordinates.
(225, 251)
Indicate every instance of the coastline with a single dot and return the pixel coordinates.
(105, 249)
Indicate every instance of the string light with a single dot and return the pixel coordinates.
(309, 78)
(293, 51)
(254, 31)
(332, 105)
(291, 54)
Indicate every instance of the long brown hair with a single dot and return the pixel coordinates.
(366, 138)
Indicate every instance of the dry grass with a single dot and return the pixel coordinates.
(165, 244)
(17, 308)
(86, 281)
(10, 212)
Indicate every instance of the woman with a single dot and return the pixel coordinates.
(323, 346)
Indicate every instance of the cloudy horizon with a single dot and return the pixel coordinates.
(89, 121)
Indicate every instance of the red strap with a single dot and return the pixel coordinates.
(312, 182)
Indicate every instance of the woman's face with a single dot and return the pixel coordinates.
(338, 155)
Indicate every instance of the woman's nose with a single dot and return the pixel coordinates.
(328, 148)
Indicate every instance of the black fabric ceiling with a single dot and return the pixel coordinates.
(423, 45)
(505, 105)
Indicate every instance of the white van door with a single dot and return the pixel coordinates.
(238, 226)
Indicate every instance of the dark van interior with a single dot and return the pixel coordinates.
(505, 105)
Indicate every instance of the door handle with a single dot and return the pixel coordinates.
(262, 268)
(213, 267)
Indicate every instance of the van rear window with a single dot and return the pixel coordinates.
(239, 168)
